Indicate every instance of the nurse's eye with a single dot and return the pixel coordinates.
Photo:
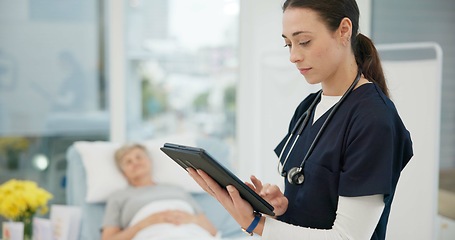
(287, 45)
(304, 43)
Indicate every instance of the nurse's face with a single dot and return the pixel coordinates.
(315, 50)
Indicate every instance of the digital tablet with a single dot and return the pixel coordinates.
(198, 158)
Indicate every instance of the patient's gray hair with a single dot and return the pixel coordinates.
(125, 149)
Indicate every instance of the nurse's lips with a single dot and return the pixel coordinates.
(304, 70)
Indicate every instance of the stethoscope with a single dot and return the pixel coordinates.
(295, 174)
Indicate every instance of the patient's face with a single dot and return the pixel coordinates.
(136, 164)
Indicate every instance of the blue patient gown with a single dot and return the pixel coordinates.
(361, 152)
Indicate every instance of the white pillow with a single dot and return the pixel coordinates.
(164, 169)
(104, 178)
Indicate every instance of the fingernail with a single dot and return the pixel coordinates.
(230, 188)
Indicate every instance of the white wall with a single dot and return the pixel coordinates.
(117, 67)
(260, 34)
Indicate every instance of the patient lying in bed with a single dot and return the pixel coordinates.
(146, 210)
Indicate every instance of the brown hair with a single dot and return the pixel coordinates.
(125, 149)
(332, 12)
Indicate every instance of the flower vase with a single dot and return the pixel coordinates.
(12, 158)
(28, 227)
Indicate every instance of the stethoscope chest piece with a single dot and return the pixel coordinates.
(295, 176)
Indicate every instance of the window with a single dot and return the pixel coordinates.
(182, 68)
(51, 87)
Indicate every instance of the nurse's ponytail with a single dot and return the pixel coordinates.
(332, 12)
(367, 59)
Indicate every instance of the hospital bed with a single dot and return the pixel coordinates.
(80, 185)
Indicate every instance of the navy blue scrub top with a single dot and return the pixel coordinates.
(361, 152)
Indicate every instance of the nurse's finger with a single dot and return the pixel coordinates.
(251, 186)
(200, 181)
(265, 190)
(244, 211)
(220, 193)
(239, 202)
(257, 183)
(274, 190)
(270, 192)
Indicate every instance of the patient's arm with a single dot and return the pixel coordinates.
(204, 222)
(180, 217)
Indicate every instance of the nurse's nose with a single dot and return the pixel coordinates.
(295, 55)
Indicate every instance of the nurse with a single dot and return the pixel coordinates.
(346, 144)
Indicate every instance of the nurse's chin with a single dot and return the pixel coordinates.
(311, 80)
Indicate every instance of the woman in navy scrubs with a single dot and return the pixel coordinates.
(346, 144)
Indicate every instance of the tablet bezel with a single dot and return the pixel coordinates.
(198, 158)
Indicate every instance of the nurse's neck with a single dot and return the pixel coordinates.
(335, 89)
(341, 79)
(339, 84)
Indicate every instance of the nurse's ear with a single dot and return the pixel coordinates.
(344, 32)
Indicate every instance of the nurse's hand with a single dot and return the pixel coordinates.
(230, 198)
(271, 193)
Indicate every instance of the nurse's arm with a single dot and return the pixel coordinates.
(356, 219)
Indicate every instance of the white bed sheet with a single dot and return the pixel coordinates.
(169, 231)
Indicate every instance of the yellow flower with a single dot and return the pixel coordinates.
(20, 199)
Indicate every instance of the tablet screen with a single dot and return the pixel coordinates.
(198, 158)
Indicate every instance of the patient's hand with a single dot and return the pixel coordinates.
(176, 217)
(159, 217)
(110, 233)
(271, 193)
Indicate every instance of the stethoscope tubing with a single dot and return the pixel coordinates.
(299, 132)
(305, 116)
